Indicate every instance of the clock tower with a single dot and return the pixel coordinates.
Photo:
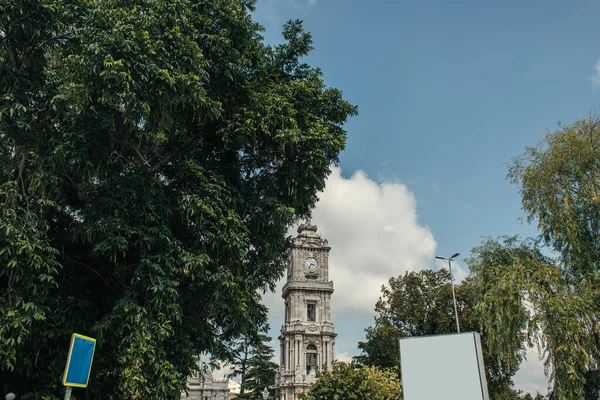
(307, 336)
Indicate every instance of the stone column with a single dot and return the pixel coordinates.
(292, 354)
(322, 308)
(323, 360)
(287, 354)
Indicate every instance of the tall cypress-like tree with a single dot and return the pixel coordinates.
(152, 155)
(250, 361)
(261, 369)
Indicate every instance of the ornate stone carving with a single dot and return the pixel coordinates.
(312, 243)
(307, 226)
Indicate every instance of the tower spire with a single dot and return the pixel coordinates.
(307, 226)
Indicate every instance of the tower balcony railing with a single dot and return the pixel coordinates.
(302, 284)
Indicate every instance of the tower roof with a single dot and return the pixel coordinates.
(308, 230)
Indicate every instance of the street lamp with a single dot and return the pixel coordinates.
(452, 283)
(10, 396)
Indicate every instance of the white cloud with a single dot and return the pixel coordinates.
(375, 234)
(530, 377)
(345, 357)
(459, 272)
(221, 373)
(595, 77)
(374, 231)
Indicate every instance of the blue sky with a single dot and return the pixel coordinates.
(448, 92)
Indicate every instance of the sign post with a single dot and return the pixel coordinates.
(79, 363)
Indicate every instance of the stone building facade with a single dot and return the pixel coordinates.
(206, 388)
(307, 337)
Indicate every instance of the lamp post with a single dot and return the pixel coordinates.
(452, 284)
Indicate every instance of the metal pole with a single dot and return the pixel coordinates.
(68, 393)
(453, 296)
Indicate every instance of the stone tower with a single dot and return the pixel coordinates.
(307, 336)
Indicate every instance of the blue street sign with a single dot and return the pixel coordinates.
(79, 361)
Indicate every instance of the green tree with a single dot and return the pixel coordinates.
(420, 303)
(412, 305)
(238, 355)
(152, 155)
(559, 181)
(261, 369)
(519, 289)
(528, 396)
(353, 382)
(250, 360)
(381, 347)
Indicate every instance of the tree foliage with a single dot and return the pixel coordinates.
(420, 304)
(559, 181)
(349, 381)
(250, 360)
(555, 300)
(261, 369)
(519, 289)
(528, 396)
(152, 155)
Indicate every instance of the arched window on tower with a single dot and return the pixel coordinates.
(311, 358)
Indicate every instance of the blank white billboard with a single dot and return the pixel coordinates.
(448, 367)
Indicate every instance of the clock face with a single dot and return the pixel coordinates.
(310, 264)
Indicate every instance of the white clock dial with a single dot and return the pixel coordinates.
(310, 264)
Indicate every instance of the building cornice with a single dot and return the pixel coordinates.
(307, 285)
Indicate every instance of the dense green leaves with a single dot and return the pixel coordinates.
(559, 182)
(29, 270)
(353, 382)
(518, 289)
(555, 301)
(255, 367)
(530, 397)
(152, 155)
(419, 304)
(250, 359)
